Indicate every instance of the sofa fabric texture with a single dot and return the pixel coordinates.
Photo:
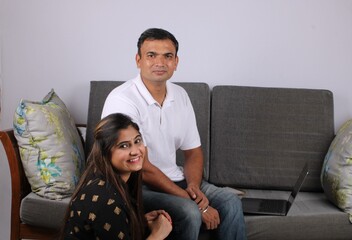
(265, 135)
(38, 211)
(51, 149)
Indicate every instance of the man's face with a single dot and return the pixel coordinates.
(158, 60)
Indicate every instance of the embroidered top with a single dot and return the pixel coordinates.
(98, 212)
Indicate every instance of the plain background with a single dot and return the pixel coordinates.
(64, 44)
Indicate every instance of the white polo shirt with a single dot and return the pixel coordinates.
(164, 128)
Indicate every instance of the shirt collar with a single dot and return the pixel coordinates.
(148, 97)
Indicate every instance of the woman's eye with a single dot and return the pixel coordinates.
(138, 140)
(123, 145)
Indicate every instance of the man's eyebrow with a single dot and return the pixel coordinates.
(155, 53)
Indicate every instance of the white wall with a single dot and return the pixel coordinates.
(65, 44)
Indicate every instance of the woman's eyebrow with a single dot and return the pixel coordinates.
(127, 141)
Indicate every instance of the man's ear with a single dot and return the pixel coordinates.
(176, 60)
(138, 58)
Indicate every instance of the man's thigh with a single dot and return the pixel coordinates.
(179, 208)
(217, 195)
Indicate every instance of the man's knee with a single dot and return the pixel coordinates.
(191, 213)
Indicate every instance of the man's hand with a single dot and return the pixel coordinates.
(210, 218)
(198, 196)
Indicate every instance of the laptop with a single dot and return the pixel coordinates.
(278, 207)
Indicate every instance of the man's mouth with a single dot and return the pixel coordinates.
(159, 71)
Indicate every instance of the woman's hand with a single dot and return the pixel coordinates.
(159, 223)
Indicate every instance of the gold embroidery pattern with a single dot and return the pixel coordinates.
(71, 214)
(87, 227)
(121, 235)
(111, 201)
(107, 226)
(76, 229)
(92, 216)
(83, 196)
(79, 213)
(101, 183)
(95, 198)
(117, 210)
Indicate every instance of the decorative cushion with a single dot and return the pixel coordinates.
(50, 146)
(336, 175)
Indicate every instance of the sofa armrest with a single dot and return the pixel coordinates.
(20, 188)
(19, 183)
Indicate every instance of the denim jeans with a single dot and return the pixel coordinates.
(187, 219)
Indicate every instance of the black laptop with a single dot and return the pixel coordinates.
(277, 207)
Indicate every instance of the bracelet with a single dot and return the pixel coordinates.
(205, 210)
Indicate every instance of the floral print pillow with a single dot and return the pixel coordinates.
(336, 175)
(50, 146)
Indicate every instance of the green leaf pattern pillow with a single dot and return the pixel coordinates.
(336, 175)
(50, 146)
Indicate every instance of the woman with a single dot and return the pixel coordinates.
(107, 202)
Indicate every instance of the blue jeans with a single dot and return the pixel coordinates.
(187, 219)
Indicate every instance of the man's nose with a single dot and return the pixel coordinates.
(160, 60)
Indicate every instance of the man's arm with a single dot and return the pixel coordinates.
(156, 179)
(193, 166)
(193, 169)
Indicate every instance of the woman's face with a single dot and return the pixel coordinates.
(128, 154)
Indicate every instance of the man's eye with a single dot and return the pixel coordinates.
(150, 55)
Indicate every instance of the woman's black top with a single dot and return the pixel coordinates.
(98, 212)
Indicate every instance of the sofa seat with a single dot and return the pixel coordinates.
(39, 211)
(311, 216)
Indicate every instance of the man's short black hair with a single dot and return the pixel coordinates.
(156, 34)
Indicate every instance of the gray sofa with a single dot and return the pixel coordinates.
(256, 140)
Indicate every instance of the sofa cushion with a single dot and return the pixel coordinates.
(39, 211)
(50, 146)
(336, 175)
(311, 216)
(262, 137)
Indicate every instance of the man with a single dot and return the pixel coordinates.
(167, 122)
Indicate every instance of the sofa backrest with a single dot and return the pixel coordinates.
(199, 94)
(99, 90)
(261, 137)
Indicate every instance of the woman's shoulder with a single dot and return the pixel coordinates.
(98, 190)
